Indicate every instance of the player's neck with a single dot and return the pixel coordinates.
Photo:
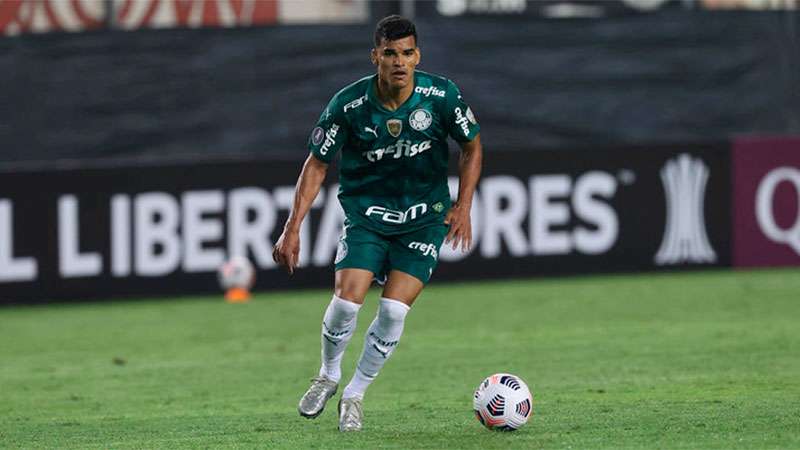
(390, 97)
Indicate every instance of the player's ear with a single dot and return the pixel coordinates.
(373, 56)
(419, 56)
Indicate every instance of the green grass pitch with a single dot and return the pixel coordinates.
(678, 360)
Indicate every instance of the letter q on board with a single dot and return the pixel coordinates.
(765, 214)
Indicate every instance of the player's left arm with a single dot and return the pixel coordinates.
(469, 171)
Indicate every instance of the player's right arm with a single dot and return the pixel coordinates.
(327, 138)
(287, 249)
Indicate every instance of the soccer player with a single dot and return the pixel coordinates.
(391, 129)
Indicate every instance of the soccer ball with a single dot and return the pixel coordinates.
(236, 273)
(503, 402)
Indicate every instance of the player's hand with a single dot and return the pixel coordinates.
(286, 251)
(460, 227)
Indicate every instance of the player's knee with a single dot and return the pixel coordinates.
(352, 286)
(350, 295)
(350, 291)
(392, 311)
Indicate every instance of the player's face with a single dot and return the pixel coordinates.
(396, 61)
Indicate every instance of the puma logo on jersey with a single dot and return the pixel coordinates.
(372, 130)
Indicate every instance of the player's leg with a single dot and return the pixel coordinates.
(384, 332)
(412, 260)
(360, 255)
(339, 321)
(352, 284)
(402, 287)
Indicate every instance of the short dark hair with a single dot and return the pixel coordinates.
(395, 27)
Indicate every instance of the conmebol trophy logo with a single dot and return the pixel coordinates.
(685, 238)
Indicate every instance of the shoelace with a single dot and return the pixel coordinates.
(318, 385)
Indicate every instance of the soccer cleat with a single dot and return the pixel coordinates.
(351, 414)
(313, 402)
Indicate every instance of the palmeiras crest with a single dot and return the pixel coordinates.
(395, 126)
(420, 120)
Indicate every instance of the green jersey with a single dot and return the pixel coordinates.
(393, 169)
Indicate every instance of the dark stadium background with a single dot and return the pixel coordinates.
(583, 106)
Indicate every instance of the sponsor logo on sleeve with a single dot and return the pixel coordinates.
(462, 120)
(471, 117)
(317, 135)
(330, 139)
(420, 119)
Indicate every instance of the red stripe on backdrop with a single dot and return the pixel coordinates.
(88, 21)
(125, 10)
(9, 12)
(148, 16)
(264, 12)
(246, 12)
(182, 10)
(211, 14)
(52, 17)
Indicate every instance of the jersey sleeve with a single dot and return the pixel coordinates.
(330, 132)
(460, 121)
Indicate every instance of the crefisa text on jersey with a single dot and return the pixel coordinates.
(462, 120)
(400, 148)
(330, 139)
(428, 91)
